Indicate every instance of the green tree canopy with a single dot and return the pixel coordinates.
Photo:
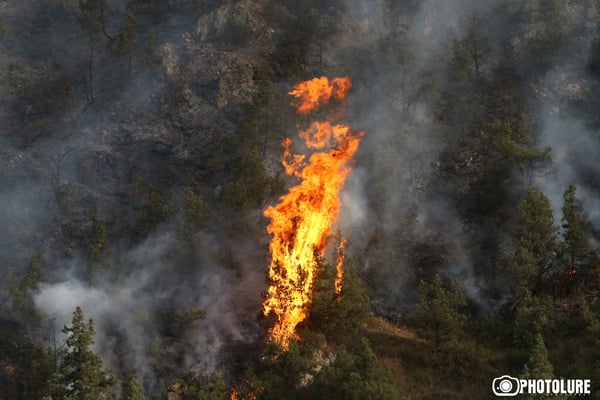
(81, 376)
(133, 390)
(539, 367)
(438, 315)
(578, 257)
(535, 244)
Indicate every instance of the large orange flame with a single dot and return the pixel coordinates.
(301, 222)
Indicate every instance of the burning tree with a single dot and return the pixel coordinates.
(301, 222)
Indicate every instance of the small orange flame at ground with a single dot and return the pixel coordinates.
(249, 393)
(301, 222)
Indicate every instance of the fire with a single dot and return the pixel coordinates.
(317, 91)
(339, 267)
(249, 393)
(301, 222)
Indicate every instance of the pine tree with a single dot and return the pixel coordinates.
(513, 142)
(578, 257)
(535, 244)
(539, 367)
(339, 317)
(470, 53)
(99, 251)
(21, 297)
(81, 376)
(438, 315)
(133, 390)
(533, 315)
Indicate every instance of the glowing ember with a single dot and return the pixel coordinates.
(237, 393)
(301, 222)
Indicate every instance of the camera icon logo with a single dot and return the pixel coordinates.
(506, 386)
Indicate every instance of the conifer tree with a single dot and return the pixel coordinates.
(133, 390)
(81, 376)
(578, 256)
(539, 367)
(438, 315)
(532, 316)
(21, 293)
(535, 244)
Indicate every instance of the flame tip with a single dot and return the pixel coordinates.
(301, 221)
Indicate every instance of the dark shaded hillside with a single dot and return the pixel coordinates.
(140, 143)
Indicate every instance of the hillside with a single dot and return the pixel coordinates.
(235, 199)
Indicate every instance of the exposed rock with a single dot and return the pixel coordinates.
(177, 391)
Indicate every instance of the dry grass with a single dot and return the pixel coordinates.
(418, 374)
(378, 325)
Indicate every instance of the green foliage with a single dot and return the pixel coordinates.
(539, 367)
(332, 360)
(308, 371)
(578, 257)
(354, 375)
(590, 318)
(22, 302)
(248, 184)
(133, 390)
(263, 80)
(99, 251)
(514, 144)
(438, 316)
(339, 317)
(42, 373)
(533, 315)
(184, 318)
(509, 163)
(209, 387)
(551, 33)
(298, 22)
(81, 376)
(287, 371)
(470, 54)
(535, 244)
(155, 211)
(194, 213)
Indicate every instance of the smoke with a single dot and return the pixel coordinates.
(133, 313)
(571, 132)
(66, 157)
(400, 221)
(393, 212)
(573, 149)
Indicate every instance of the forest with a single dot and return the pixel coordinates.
(148, 146)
